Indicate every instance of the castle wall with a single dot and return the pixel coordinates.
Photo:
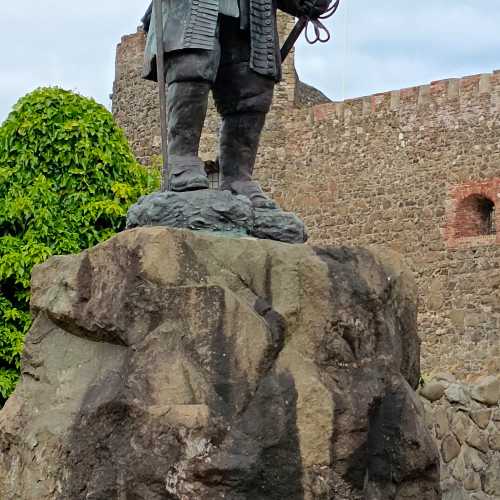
(388, 169)
(135, 100)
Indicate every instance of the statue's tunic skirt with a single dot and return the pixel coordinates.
(193, 25)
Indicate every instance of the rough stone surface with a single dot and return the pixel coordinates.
(444, 378)
(461, 426)
(480, 496)
(213, 210)
(278, 225)
(481, 418)
(472, 481)
(170, 364)
(478, 439)
(469, 440)
(492, 478)
(450, 448)
(459, 469)
(439, 418)
(432, 391)
(455, 493)
(203, 210)
(456, 393)
(487, 390)
(473, 459)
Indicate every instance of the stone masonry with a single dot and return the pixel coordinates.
(391, 169)
(464, 420)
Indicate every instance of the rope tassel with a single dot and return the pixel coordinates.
(321, 33)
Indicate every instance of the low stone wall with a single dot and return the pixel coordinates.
(465, 422)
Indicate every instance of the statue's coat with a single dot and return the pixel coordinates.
(192, 24)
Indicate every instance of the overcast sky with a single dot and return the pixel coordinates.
(377, 45)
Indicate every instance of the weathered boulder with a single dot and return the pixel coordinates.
(168, 364)
(432, 391)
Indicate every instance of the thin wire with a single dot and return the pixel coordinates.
(346, 49)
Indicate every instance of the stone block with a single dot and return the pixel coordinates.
(444, 378)
(441, 421)
(455, 393)
(494, 440)
(461, 426)
(472, 481)
(450, 448)
(474, 459)
(457, 317)
(458, 471)
(491, 478)
(480, 496)
(481, 417)
(478, 439)
(487, 391)
(455, 492)
(432, 391)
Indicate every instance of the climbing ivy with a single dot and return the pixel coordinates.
(67, 177)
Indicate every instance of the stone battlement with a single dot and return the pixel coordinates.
(459, 94)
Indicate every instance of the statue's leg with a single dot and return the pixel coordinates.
(189, 76)
(243, 99)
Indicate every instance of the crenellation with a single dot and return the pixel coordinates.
(424, 95)
(322, 112)
(474, 92)
(380, 102)
(367, 105)
(454, 88)
(395, 100)
(485, 84)
(409, 98)
(339, 110)
(407, 101)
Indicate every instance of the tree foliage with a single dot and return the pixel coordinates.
(67, 177)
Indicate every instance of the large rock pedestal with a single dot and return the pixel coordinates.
(167, 364)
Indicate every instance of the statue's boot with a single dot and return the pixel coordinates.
(238, 145)
(187, 103)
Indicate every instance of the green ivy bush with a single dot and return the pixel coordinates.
(67, 178)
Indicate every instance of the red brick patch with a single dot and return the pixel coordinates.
(323, 112)
(473, 214)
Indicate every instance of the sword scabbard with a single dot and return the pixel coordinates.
(160, 70)
(293, 37)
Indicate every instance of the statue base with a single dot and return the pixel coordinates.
(174, 364)
(220, 211)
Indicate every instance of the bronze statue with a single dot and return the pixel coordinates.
(230, 47)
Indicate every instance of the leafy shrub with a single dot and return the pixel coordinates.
(67, 177)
